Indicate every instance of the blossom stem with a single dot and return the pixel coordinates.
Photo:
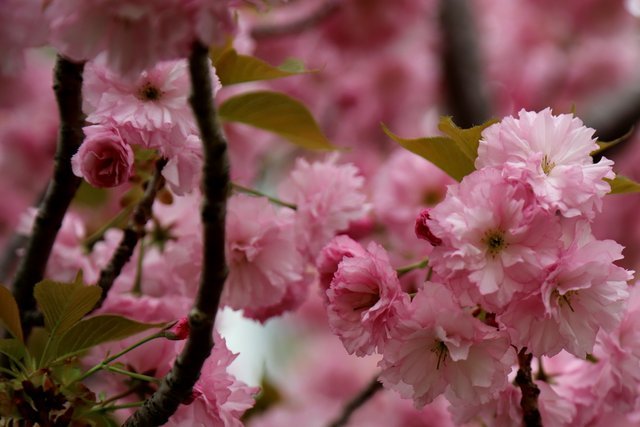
(90, 241)
(130, 374)
(64, 184)
(134, 232)
(258, 193)
(415, 266)
(116, 407)
(178, 384)
(363, 397)
(530, 391)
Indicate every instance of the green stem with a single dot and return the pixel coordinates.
(415, 266)
(135, 375)
(90, 241)
(137, 282)
(108, 360)
(243, 189)
(116, 407)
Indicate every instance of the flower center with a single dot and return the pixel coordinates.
(441, 352)
(494, 239)
(565, 299)
(149, 92)
(547, 165)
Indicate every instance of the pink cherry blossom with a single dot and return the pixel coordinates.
(438, 348)
(496, 240)
(22, 25)
(261, 253)
(552, 154)
(332, 254)
(364, 299)
(184, 168)
(219, 399)
(103, 159)
(328, 197)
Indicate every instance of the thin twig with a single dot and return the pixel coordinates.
(359, 400)
(530, 391)
(253, 192)
(177, 385)
(464, 83)
(299, 25)
(64, 184)
(132, 234)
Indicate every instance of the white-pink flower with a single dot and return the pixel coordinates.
(438, 348)
(552, 154)
(220, 398)
(261, 253)
(496, 240)
(364, 299)
(328, 197)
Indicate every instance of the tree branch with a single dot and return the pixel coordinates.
(178, 383)
(359, 400)
(299, 25)
(64, 184)
(530, 391)
(132, 234)
(466, 92)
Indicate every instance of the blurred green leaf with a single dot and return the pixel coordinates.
(233, 68)
(621, 184)
(97, 330)
(278, 113)
(466, 139)
(441, 151)
(37, 342)
(13, 348)
(9, 314)
(64, 304)
(90, 196)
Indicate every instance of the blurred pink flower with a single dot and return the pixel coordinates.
(103, 159)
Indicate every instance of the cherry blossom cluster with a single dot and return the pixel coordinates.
(513, 266)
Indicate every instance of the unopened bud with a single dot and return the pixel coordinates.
(422, 228)
(179, 331)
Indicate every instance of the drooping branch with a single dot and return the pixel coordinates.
(530, 391)
(133, 233)
(64, 184)
(463, 77)
(178, 383)
(299, 25)
(363, 397)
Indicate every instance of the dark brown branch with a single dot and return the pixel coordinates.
(178, 383)
(299, 25)
(359, 400)
(464, 83)
(64, 184)
(133, 233)
(530, 391)
(614, 114)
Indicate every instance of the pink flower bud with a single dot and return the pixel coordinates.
(104, 159)
(179, 331)
(422, 229)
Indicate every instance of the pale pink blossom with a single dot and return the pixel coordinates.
(184, 168)
(496, 241)
(328, 197)
(331, 255)
(104, 159)
(261, 253)
(583, 293)
(364, 300)
(551, 154)
(438, 348)
(220, 399)
(294, 296)
(22, 26)
(133, 34)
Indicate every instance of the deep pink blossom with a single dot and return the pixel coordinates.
(103, 159)
(364, 299)
(438, 348)
(551, 154)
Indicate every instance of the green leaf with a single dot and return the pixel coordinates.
(605, 145)
(233, 68)
(37, 342)
(9, 314)
(90, 196)
(64, 304)
(13, 348)
(466, 139)
(621, 184)
(278, 113)
(441, 151)
(97, 330)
